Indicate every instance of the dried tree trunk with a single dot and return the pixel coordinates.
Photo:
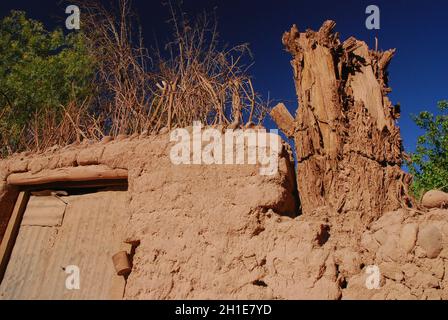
(349, 149)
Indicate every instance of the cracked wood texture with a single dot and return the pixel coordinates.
(349, 149)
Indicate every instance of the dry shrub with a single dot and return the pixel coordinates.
(74, 125)
(198, 80)
(191, 79)
(123, 80)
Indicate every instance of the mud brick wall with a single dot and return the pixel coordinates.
(225, 231)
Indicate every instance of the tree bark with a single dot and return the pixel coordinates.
(348, 146)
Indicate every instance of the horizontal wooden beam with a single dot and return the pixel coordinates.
(73, 174)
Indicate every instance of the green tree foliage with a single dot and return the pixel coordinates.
(40, 71)
(429, 163)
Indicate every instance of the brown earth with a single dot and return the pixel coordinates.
(227, 232)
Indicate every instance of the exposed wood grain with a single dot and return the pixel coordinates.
(11, 232)
(74, 174)
(349, 149)
(283, 119)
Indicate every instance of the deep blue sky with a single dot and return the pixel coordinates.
(418, 29)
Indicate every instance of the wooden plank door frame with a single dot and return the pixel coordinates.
(12, 230)
(96, 176)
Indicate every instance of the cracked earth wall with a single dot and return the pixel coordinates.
(226, 232)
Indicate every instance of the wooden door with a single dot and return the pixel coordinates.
(78, 231)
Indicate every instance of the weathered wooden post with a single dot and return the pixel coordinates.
(349, 149)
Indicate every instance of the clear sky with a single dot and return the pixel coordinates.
(418, 29)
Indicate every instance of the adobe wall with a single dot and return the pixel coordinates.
(227, 232)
